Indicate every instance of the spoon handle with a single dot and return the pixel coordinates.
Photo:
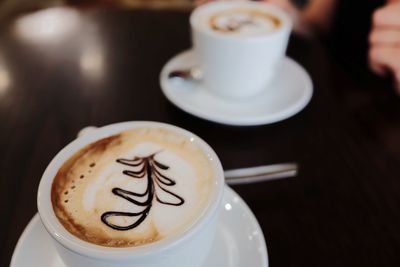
(260, 173)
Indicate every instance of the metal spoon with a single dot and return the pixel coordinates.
(261, 173)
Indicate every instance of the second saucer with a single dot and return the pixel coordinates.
(287, 94)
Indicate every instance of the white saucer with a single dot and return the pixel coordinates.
(288, 93)
(239, 241)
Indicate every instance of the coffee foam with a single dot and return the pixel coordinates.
(241, 22)
(82, 189)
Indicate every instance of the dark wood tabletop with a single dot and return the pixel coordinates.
(102, 66)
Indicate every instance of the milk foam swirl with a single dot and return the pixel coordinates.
(150, 170)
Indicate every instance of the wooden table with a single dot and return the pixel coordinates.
(343, 209)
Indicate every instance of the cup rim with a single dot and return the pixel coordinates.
(73, 243)
(283, 16)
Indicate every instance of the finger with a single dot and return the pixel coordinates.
(383, 58)
(375, 63)
(388, 15)
(385, 36)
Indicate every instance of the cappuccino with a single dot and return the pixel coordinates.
(134, 188)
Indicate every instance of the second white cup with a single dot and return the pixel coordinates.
(238, 45)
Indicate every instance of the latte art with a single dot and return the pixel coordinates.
(134, 188)
(244, 22)
(149, 168)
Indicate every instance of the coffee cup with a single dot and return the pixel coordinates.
(133, 194)
(238, 45)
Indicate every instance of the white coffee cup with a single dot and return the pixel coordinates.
(188, 248)
(238, 65)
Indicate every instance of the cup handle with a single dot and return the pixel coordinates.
(86, 130)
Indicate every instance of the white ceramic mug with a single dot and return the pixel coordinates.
(236, 66)
(189, 248)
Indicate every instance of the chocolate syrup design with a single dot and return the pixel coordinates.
(150, 169)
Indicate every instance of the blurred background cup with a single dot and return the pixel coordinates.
(238, 45)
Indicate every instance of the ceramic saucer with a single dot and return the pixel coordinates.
(288, 93)
(239, 241)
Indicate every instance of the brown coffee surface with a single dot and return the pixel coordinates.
(134, 188)
(244, 21)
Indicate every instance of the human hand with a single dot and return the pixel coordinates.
(384, 39)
